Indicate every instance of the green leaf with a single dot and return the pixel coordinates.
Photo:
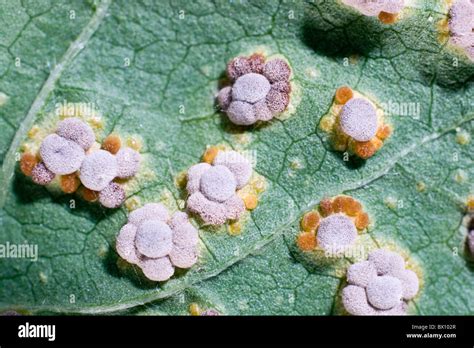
(177, 52)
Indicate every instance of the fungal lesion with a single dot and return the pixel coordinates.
(333, 226)
(457, 28)
(355, 124)
(157, 242)
(67, 155)
(257, 89)
(386, 282)
(222, 189)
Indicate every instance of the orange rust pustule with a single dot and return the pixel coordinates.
(210, 154)
(89, 195)
(250, 201)
(27, 163)
(310, 221)
(69, 183)
(388, 18)
(325, 207)
(377, 143)
(362, 220)
(470, 204)
(364, 149)
(306, 241)
(351, 206)
(338, 204)
(384, 132)
(112, 143)
(343, 94)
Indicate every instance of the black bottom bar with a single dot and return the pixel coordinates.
(221, 330)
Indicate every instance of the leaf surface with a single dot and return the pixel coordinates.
(177, 52)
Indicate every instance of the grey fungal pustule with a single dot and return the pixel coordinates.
(234, 206)
(241, 113)
(384, 292)
(361, 273)
(112, 196)
(125, 243)
(386, 261)
(41, 175)
(159, 269)
(184, 233)
(150, 211)
(98, 169)
(210, 212)
(355, 301)
(250, 88)
(194, 176)
(77, 131)
(336, 232)
(237, 164)
(224, 97)
(461, 25)
(61, 156)
(218, 183)
(259, 91)
(358, 119)
(262, 111)
(374, 7)
(157, 243)
(128, 162)
(212, 188)
(379, 286)
(154, 239)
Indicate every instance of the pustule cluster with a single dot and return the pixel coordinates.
(379, 286)
(158, 243)
(461, 26)
(259, 90)
(386, 10)
(213, 184)
(334, 227)
(69, 153)
(355, 124)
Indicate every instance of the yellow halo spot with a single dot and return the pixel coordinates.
(194, 309)
(388, 18)
(343, 94)
(310, 221)
(362, 221)
(112, 143)
(69, 183)
(27, 163)
(210, 154)
(250, 201)
(306, 241)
